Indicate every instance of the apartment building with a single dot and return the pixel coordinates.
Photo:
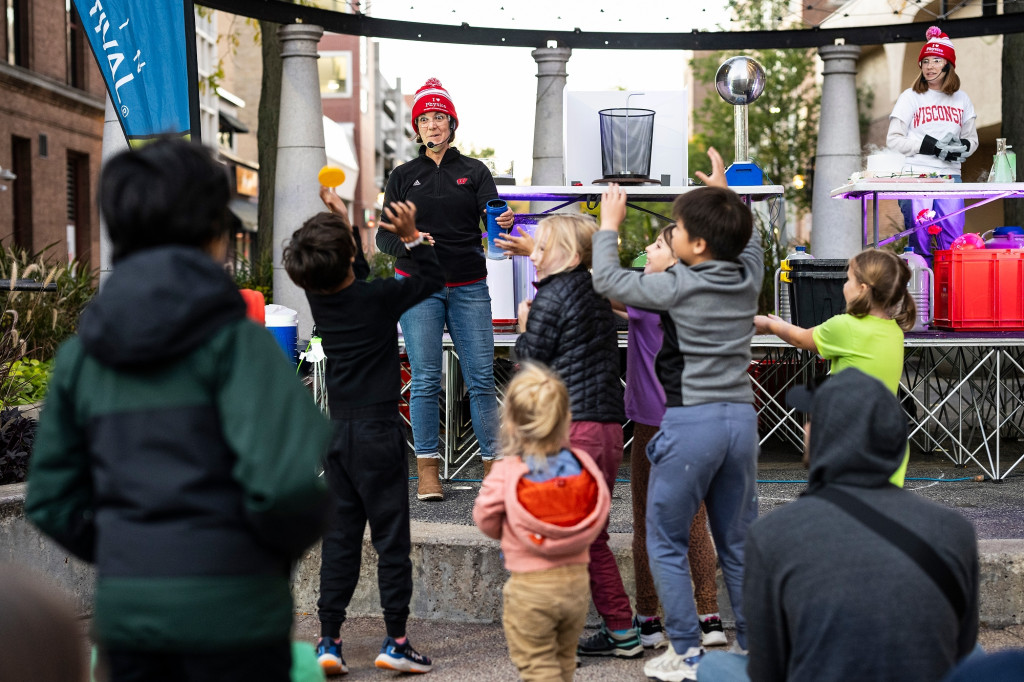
(51, 131)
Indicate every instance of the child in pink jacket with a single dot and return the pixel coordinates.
(546, 503)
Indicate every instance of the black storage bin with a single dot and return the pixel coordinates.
(817, 290)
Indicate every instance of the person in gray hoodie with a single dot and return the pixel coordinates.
(706, 449)
(830, 597)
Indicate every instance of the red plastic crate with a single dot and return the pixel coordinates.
(979, 289)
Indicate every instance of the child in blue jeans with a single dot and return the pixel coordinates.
(707, 446)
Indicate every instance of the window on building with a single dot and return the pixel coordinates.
(16, 15)
(21, 165)
(335, 70)
(79, 232)
(78, 45)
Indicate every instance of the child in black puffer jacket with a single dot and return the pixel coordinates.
(570, 328)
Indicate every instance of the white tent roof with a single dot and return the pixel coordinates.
(340, 148)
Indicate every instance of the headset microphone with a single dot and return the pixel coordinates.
(431, 145)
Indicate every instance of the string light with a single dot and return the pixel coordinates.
(820, 11)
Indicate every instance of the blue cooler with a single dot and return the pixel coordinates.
(283, 323)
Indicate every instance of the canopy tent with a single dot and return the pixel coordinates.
(339, 145)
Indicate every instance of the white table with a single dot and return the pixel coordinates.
(874, 189)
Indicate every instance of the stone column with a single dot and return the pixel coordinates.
(836, 223)
(548, 166)
(114, 143)
(300, 155)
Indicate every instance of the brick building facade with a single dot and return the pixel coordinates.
(51, 132)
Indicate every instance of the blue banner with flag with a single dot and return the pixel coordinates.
(142, 48)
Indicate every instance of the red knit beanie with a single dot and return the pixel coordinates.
(938, 45)
(432, 97)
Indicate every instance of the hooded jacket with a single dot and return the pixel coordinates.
(818, 584)
(528, 543)
(708, 320)
(571, 329)
(178, 452)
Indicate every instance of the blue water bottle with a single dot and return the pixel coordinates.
(495, 207)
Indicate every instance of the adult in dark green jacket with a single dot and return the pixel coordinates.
(177, 450)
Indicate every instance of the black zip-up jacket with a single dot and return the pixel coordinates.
(571, 329)
(450, 199)
(360, 337)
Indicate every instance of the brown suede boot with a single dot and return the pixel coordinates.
(429, 484)
(488, 463)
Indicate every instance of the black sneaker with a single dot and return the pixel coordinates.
(605, 643)
(652, 634)
(712, 633)
(328, 655)
(402, 657)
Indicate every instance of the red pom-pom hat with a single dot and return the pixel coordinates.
(938, 45)
(432, 97)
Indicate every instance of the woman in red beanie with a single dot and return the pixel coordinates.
(450, 192)
(933, 125)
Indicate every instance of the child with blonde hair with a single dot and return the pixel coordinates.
(571, 329)
(546, 503)
(869, 336)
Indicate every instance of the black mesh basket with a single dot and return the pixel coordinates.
(626, 138)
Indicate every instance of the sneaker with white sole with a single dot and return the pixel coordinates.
(712, 633)
(652, 634)
(402, 657)
(673, 667)
(604, 642)
(328, 655)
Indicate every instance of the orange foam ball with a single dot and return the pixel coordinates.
(331, 176)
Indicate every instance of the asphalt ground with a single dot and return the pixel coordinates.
(464, 651)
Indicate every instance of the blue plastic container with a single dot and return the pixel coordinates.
(495, 207)
(283, 323)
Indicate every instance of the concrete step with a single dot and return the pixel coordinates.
(457, 572)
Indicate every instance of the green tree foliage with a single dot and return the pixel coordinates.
(782, 123)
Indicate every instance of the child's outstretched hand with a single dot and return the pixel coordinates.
(401, 217)
(717, 177)
(334, 203)
(515, 246)
(763, 323)
(613, 207)
(523, 314)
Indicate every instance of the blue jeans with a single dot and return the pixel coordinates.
(702, 453)
(722, 666)
(467, 312)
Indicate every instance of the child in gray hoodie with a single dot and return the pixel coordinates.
(706, 449)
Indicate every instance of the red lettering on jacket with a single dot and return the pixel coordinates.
(462, 181)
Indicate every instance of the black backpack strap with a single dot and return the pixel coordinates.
(904, 539)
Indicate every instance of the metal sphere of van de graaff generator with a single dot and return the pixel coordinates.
(740, 80)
